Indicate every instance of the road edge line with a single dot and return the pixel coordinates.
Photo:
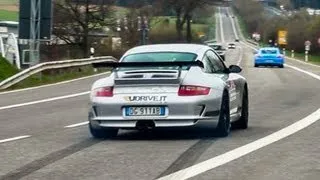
(244, 150)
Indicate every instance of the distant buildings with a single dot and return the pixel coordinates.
(315, 4)
(7, 27)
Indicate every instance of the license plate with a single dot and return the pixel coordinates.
(145, 111)
(269, 61)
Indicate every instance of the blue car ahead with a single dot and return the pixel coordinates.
(268, 56)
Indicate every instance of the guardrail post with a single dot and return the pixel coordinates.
(91, 52)
(306, 56)
(284, 51)
(92, 56)
(292, 53)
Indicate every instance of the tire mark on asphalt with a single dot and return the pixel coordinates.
(48, 159)
(189, 157)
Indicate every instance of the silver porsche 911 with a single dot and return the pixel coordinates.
(168, 85)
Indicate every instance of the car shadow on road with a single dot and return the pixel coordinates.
(167, 134)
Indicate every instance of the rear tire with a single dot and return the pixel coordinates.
(242, 123)
(281, 66)
(256, 65)
(224, 124)
(101, 132)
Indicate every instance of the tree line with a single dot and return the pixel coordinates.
(300, 26)
(84, 22)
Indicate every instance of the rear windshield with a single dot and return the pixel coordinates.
(269, 51)
(159, 57)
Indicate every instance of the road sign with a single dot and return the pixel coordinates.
(256, 36)
(307, 43)
(319, 41)
(282, 37)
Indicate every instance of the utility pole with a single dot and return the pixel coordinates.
(143, 27)
(34, 45)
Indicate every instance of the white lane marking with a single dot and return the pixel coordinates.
(78, 124)
(241, 56)
(233, 26)
(44, 100)
(221, 25)
(302, 62)
(54, 84)
(243, 150)
(303, 71)
(14, 139)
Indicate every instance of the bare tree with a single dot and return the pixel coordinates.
(76, 20)
(183, 11)
(251, 12)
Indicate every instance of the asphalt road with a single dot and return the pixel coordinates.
(50, 150)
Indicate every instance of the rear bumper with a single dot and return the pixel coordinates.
(181, 111)
(269, 62)
(158, 123)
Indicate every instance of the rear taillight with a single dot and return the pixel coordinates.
(103, 92)
(279, 56)
(186, 90)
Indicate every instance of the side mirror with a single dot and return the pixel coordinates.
(223, 57)
(234, 69)
(200, 63)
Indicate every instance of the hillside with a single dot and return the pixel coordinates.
(6, 69)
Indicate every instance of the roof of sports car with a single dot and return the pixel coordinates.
(191, 48)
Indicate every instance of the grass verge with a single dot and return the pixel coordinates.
(6, 69)
(56, 75)
(314, 59)
(8, 15)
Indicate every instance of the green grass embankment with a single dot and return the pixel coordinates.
(8, 15)
(6, 69)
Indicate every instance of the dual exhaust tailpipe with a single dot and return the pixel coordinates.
(145, 125)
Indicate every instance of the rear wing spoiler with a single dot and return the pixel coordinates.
(161, 79)
(147, 64)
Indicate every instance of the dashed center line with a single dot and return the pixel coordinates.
(44, 100)
(14, 138)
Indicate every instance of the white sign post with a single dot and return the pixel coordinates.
(292, 53)
(306, 57)
(307, 48)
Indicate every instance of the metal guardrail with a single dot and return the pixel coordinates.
(252, 42)
(52, 65)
